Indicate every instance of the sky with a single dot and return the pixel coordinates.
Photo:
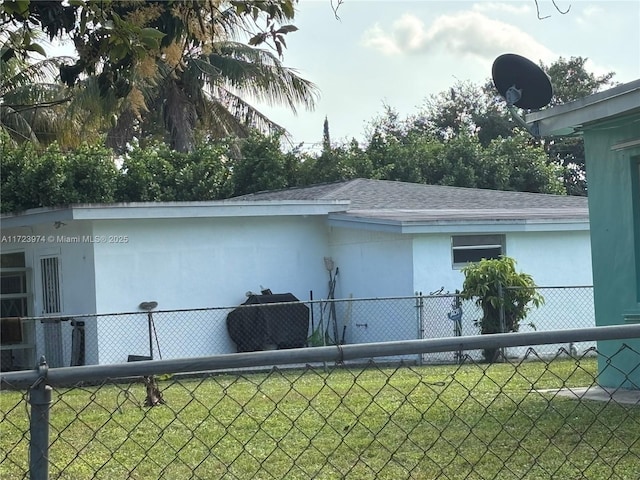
(398, 53)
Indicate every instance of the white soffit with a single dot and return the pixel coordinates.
(459, 221)
(159, 210)
(570, 117)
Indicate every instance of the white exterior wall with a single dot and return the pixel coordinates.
(197, 263)
(191, 263)
(433, 264)
(77, 287)
(553, 259)
(374, 264)
(433, 270)
(556, 259)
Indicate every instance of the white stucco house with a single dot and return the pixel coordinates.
(387, 238)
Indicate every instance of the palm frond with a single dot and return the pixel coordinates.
(33, 105)
(16, 126)
(16, 73)
(255, 73)
(34, 112)
(246, 116)
(35, 96)
(219, 122)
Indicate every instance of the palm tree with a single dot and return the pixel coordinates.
(36, 107)
(167, 70)
(30, 99)
(211, 94)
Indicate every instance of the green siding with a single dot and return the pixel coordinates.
(635, 185)
(614, 211)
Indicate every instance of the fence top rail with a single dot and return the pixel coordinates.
(552, 287)
(417, 296)
(336, 353)
(232, 307)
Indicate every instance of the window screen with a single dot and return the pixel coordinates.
(473, 248)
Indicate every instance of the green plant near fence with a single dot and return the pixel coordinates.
(465, 421)
(505, 296)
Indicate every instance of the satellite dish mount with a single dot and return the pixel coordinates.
(513, 95)
(523, 84)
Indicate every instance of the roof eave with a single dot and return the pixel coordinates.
(160, 210)
(569, 118)
(459, 225)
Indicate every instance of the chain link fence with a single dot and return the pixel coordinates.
(563, 308)
(323, 413)
(279, 322)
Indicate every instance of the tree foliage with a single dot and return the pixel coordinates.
(571, 80)
(114, 36)
(34, 178)
(182, 104)
(32, 106)
(504, 295)
(465, 109)
(469, 111)
(408, 150)
(155, 173)
(167, 68)
(260, 166)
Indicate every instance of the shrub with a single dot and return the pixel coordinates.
(500, 291)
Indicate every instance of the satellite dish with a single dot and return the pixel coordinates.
(522, 83)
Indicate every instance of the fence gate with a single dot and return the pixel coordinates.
(53, 341)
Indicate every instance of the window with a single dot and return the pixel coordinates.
(473, 248)
(14, 293)
(14, 297)
(50, 285)
(17, 335)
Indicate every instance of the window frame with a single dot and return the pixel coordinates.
(23, 337)
(493, 241)
(51, 285)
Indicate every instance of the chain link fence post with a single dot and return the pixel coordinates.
(503, 323)
(40, 401)
(419, 321)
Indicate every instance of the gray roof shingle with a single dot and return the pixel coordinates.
(411, 201)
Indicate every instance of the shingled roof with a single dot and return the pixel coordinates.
(403, 201)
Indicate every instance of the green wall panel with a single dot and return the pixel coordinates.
(614, 211)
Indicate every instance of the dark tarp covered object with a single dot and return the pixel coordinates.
(255, 328)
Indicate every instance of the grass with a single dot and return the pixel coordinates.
(455, 422)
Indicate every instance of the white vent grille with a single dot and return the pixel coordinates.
(50, 285)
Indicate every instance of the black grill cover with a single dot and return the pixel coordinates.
(253, 328)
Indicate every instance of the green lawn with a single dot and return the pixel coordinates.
(454, 422)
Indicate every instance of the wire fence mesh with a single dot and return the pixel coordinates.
(532, 417)
(120, 337)
(563, 308)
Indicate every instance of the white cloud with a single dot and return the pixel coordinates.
(511, 8)
(464, 34)
(378, 40)
(596, 68)
(588, 14)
